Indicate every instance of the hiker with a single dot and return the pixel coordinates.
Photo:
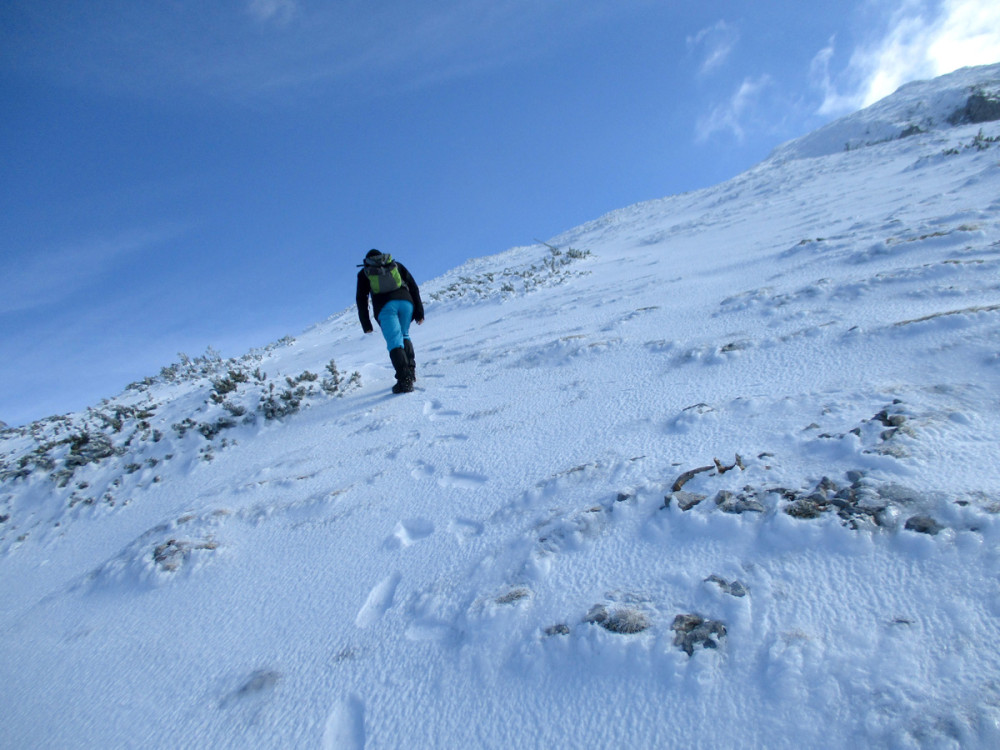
(396, 300)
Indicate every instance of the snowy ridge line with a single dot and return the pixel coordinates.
(967, 96)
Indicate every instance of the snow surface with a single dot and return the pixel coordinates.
(500, 559)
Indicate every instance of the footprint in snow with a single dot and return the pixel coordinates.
(422, 471)
(462, 480)
(444, 439)
(378, 602)
(409, 532)
(464, 529)
(345, 726)
(435, 410)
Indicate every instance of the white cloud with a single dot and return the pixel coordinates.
(729, 117)
(715, 43)
(923, 40)
(273, 11)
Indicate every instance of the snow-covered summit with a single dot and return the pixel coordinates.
(711, 471)
(969, 95)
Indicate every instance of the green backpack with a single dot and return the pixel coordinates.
(383, 274)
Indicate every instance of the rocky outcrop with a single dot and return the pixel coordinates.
(980, 107)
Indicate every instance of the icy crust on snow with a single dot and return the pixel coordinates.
(726, 478)
(970, 95)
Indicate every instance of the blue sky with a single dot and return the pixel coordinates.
(181, 175)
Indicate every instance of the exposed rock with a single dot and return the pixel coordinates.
(728, 502)
(897, 493)
(858, 505)
(733, 588)
(826, 487)
(560, 629)
(923, 525)
(724, 498)
(978, 108)
(694, 630)
(685, 500)
(854, 477)
(807, 507)
(890, 420)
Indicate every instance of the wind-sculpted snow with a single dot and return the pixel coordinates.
(725, 478)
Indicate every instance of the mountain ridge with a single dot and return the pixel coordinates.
(966, 96)
(726, 452)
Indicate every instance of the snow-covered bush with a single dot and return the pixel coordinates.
(334, 383)
(551, 270)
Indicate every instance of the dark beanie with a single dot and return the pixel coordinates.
(373, 252)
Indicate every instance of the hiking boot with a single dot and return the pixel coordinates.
(400, 362)
(412, 362)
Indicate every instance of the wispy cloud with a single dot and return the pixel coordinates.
(273, 11)
(50, 275)
(714, 45)
(923, 40)
(731, 116)
(260, 47)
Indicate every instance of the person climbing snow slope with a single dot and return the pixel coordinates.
(395, 299)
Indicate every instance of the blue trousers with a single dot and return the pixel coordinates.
(394, 319)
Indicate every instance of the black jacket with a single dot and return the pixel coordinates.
(409, 291)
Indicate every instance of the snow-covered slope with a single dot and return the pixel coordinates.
(967, 96)
(716, 471)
